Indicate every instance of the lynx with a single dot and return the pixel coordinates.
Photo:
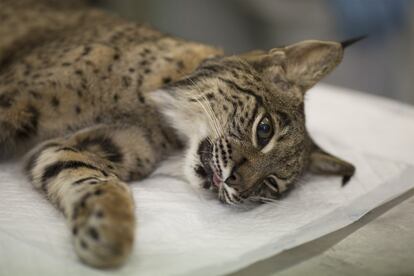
(101, 101)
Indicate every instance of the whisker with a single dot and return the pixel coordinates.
(213, 115)
(207, 110)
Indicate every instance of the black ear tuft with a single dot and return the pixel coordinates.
(346, 179)
(351, 41)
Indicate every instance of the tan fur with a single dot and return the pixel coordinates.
(115, 98)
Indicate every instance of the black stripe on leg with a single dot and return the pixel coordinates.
(77, 182)
(31, 162)
(109, 148)
(67, 149)
(56, 168)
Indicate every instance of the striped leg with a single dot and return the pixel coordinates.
(83, 175)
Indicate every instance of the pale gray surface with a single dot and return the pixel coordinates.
(382, 64)
(381, 243)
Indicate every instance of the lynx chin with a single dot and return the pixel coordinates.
(98, 101)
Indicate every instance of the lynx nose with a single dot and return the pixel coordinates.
(233, 179)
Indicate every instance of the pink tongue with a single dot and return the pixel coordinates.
(216, 180)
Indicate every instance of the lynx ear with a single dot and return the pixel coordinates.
(262, 60)
(304, 63)
(322, 162)
(309, 61)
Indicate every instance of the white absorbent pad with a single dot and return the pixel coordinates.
(187, 231)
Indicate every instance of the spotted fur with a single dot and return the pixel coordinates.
(106, 100)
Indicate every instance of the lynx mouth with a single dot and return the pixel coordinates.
(205, 170)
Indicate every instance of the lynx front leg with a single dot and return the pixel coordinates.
(83, 175)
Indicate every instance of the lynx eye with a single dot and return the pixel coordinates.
(264, 131)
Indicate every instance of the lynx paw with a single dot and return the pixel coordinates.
(103, 224)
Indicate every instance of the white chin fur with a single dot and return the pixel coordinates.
(191, 123)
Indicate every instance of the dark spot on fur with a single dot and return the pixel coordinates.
(79, 72)
(116, 56)
(141, 98)
(75, 212)
(86, 50)
(210, 96)
(139, 81)
(139, 162)
(131, 70)
(200, 171)
(126, 81)
(54, 102)
(235, 74)
(98, 192)
(166, 80)
(93, 233)
(147, 71)
(116, 98)
(83, 244)
(169, 59)
(75, 230)
(6, 100)
(99, 214)
(180, 64)
(84, 85)
(66, 64)
(78, 109)
(84, 198)
(35, 94)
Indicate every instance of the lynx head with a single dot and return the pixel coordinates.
(243, 117)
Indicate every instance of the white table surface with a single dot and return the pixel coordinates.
(379, 243)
